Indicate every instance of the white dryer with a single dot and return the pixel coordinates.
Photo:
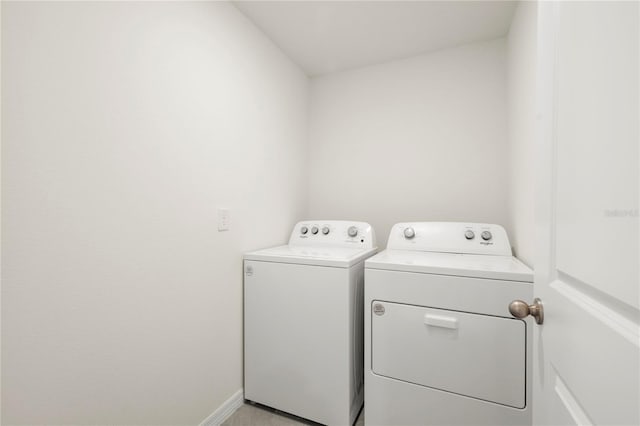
(303, 321)
(441, 347)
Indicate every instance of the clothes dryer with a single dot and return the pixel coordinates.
(440, 344)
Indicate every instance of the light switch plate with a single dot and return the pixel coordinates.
(223, 219)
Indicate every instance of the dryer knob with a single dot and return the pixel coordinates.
(325, 230)
(409, 233)
(352, 231)
(314, 230)
(304, 230)
(469, 235)
(486, 235)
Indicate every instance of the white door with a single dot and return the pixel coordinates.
(587, 350)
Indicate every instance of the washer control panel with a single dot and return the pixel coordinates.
(338, 233)
(450, 237)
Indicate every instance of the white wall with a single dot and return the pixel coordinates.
(521, 89)
(420, 139)
(125, 125)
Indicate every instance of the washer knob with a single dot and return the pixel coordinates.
(325, 230)
(314, 230)
(409, 233)
(352, 231)
(304, 230)
(486, 235)
(469, 234)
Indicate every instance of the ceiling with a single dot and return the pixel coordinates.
(329, 36)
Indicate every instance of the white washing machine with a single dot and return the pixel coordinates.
(303, 321)
(441, 347)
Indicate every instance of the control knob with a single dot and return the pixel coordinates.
(469, 234)
(409, 233)
(352, 231)
(486, 235)
(325, 230)
(304, 230)
(314, 230)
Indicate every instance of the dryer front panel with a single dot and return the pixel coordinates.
(475, 355)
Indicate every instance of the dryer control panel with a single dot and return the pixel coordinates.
(450, 237)
(335, 233)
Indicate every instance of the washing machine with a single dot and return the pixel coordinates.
(303, 321)
(441, 347)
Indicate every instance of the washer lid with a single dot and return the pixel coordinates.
(340, 257)
(463, 265)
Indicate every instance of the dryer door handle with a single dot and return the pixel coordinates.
(440, 321)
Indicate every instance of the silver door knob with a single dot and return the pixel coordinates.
(520, 309)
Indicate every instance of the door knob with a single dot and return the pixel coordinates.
(520, 309)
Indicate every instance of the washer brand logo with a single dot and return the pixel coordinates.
(248, 271)
(378, 309)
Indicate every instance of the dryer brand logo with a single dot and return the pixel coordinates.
(248, 271)
(378, 309)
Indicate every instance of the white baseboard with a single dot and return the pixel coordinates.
(225, 411)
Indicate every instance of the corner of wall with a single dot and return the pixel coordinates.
(225, 410)
(521, 119)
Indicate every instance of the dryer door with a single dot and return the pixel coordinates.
(475, 355)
